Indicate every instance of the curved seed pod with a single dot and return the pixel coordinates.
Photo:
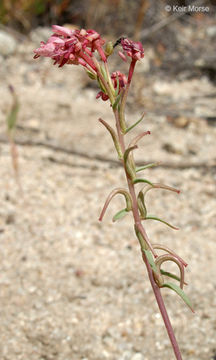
(111, 195)
(138, 137)
(165, 248)
(162, 258)
(159, 186)
(141, 205)
(135, 124)
(129, 162)
(114, 137)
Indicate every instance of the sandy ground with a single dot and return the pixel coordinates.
(72, 288)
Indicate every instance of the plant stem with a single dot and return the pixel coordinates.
(163, 311)
(141, 229)
(125, 94)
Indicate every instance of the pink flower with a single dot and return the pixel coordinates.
(61, 30)
(103, 96)
(132, 49)
(121, 77)
(61, 48)
(72, 46)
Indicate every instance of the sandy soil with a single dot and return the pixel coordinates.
(72, 288)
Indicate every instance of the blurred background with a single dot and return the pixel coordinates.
(72, 288)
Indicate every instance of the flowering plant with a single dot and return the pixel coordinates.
(88, 49)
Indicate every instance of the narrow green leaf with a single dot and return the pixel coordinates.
(101, 85)
(150, 259)
(143, 244)
(12, 117)
(142, 181)
(120, 214)
(135, 124)
(180, 292)
(140, 168)
(150, 217)
(173, 276)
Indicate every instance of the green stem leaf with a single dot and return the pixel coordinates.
(173, 276)
(150, 260)
(135, 181)
(114, 106)
(140, 168)
(135, 124)
(180, 292)
(158, 219)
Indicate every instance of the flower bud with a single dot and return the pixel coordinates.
(91, 75)
(109, 48)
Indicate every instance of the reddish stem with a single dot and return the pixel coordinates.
(141, 229)
(163, 311)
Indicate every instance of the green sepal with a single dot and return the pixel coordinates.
(116, 102)
(150, 260)
(103, 71)
(140, 168)
(120, 214)
(180, 292)
(129, 163)
(149, 217)
(135, 181)
(141, 205)
(135, 124)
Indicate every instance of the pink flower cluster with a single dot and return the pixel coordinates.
(68, 46)
(122, 80)
(132, 49)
